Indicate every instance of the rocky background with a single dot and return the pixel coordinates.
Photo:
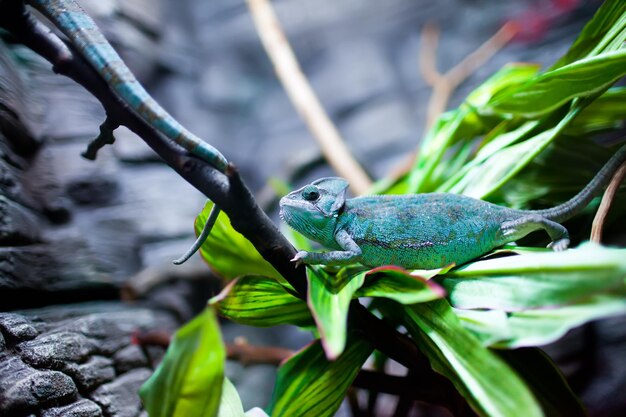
(75, 235)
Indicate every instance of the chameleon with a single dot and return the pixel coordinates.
(421, 231)
(86, 37)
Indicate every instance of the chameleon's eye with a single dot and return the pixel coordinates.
(310, 193)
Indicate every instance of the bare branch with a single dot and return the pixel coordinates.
(304, 98)
(605, 205)
(445, 84)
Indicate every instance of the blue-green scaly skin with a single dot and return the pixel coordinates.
(83, 33)
(422, 231)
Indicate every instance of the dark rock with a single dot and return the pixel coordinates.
(17, 328)
(16, 105)
(112, 331)
(64, 264)
(120, 398)
(93, 191)
(55, 350)
(92, 373)
(81, 408)
(23, 389)
(18, 224)
(130, 357)
(10, 178)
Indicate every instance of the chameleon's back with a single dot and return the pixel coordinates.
(423, 231)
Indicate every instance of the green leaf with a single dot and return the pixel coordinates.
(536, 280)
(262, 302)
(499, 329)
(462, 126)
(231, 403)
(228, 252)
(552, 89)
(546, 382)
(490, 386)
(603, 31)
(329, 300)
(399, 285)
(188, 383)
(308, 385)
(607, 112)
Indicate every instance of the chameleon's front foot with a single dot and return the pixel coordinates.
(559, 245)
(300, 258)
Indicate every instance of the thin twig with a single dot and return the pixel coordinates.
(445, 84)
(246, 354)
(605, 205)
(304, 98)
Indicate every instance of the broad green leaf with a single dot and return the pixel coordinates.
(552, 89)
(228, 252)
(606, 28)
(262, 302)
(506, 77)
(546, 382)
(499, 329)
(490, 386)
(466, 174)
(329, 300)
(555, 175)
(462, 125)
(230, 405)
(494, 172)
(188, 383)
(537, 280)
(309, 385)
(607, 112)
(399, 285)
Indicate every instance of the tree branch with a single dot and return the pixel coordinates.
(607, 202)
(304, 98)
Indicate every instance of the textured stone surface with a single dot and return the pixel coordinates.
(130, 357)
(91, 374)
(18, 224)
(24, 389)
(54, 350)
(16, 327)
(119, 398)
(81, 408)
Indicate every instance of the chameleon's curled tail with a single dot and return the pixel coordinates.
(577, 203)
(82, 31)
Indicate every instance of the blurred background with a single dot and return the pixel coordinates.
(86, 247)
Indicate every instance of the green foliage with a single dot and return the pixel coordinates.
(188, 383)
(537, 280)
(545, 381)
(262, 302)
(329, 299)
(521, 139)
(490, 386)
(228, 252)
(399, 285)
(308, 384)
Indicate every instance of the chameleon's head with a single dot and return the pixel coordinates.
(313, 209)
